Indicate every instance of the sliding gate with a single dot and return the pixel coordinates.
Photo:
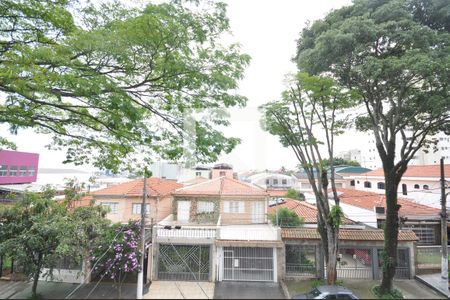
(248, 264)
(184, 262)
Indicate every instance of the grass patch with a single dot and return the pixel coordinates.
(395, 294)
(316, 282)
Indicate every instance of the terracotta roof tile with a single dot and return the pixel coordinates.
(348, 235)
(277, 193)
(303, 209)
(415, 171)
(155, 186)
(222, 186)
(370, 200)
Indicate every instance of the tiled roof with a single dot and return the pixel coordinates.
(303, 209)
(369, 201)
(194, 181)
(222, 186)
(277, 193)
(348, 235)
(416, 171)
(155, 186)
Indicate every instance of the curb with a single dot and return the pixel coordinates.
(430, 286)
(285, 290)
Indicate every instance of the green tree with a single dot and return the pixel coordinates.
(400, 67)
(294, 194)
(37, 232)
(313, 103)
(29, 235)
(341, 162)
(110, 82)
(286, 218)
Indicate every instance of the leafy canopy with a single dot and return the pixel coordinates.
(109, 83)
(286, 218)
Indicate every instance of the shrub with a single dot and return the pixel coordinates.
(395, 294)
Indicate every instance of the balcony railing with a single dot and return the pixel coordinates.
(187, 232)
(249, 233)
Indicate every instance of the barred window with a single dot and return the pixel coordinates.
(112, 206)
(205, 207)
(137, 208)
(31, 171)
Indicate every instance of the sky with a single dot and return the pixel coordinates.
(267, 31)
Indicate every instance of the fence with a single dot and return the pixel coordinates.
(195, 233)
(429, 259)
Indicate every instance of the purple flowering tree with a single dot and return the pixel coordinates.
(119, 254)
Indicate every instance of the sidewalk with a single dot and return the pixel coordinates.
(60, 290)
(435, 282)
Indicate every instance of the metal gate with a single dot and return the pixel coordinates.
(248, 264)
(184, 262)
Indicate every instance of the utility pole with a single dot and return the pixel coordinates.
(140, 279)
(444, 264)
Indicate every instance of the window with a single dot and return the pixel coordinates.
(416, 186)
(283, 181)
(23, 171)
(31, 171)
(352, 183)
(275, 181)
(205, 207)
(426, 187)
(425, 233)
(367, 184)
(234, 207)
(198, 174)
(112, 206)
(404, 189)
(357, 182)
(13, 171)
(3, 170)
(267, 182)
(380, 185)
(137, 208)
(222, 173)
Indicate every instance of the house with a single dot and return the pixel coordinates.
(359, 254)
(274, 181)
(343, 177)
(370, 208)
(308, 213)
(124, 200)
(419, 183)
(218, 231)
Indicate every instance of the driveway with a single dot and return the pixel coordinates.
(180, 290)
(248, 290)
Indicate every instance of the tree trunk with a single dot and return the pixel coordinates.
(36, 276)
(332, 234)
(389, 256)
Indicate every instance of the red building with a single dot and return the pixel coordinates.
(18, 167)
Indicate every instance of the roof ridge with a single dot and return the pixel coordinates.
(197, 184)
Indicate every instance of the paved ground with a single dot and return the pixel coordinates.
(411, 289)
(58, 290)
(435, 282)
(248, 290)
(180, 290)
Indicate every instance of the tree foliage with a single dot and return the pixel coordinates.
(396, 56)
(294, 194)
(313, 105)
(341, 162)
(37, 232)
(286, 218)
(108, 82)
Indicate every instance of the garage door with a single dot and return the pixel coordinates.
(184, 262)
(248, 264)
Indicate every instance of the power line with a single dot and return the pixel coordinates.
(95, 264)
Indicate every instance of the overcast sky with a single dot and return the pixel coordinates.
(267, 31)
